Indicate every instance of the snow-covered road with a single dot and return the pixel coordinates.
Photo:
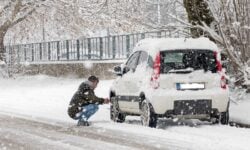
(33, 115)
(18, 133)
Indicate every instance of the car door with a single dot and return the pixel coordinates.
(123, 86)
(122, 83)
(132, 82)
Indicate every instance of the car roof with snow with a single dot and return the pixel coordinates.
(153, 45)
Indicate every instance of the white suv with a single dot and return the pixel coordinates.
(173, 78)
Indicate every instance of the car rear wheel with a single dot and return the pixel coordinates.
(148, 117)
(224, 118)
(115, 113)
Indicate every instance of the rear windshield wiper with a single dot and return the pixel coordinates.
(187, 70)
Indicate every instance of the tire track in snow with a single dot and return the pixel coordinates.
(28, 134)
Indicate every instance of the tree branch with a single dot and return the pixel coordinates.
(6, 7)
(16, 10)
(20, 8)
(22, 18)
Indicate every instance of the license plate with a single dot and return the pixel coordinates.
(192, 107)
(190, 86)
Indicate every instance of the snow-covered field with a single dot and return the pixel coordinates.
(45, 99)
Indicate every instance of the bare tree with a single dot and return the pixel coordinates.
(75, 18)
(65, 19)
(13, 12)
(198, 13)
(232, 21)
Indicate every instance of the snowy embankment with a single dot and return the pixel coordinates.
(46, 99)
(240, 111)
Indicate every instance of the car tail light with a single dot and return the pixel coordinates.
(218, 63)
(223, 80)
(156, 72)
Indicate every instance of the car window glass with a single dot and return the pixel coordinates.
(143, 57)
(186, 59)
(132, 62)
(150, 62)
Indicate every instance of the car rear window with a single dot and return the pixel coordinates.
(185, 61)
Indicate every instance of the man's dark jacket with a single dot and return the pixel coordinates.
(83, 96)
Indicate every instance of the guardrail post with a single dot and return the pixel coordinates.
(7, 54)
(78, 49)
(18, 53)
(113, 47)
(169, 33)
(9, 50)
(49, 51)
(32, 52)
(143, 36)
(108, 46)
(67, 49)
(40, 50)
(25, 53)
(159, 34)
(58, 50)
(89, 48)
(101, 47)
(127, 45)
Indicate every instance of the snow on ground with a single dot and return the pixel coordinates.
(46, 99)
(240, 112)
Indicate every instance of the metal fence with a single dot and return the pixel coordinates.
(96, 48)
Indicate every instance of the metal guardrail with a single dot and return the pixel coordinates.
(95, 48)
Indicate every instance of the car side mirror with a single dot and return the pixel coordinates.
(125, 69)
(118, 70)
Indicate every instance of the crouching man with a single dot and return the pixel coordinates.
(84, 102)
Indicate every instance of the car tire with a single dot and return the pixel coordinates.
(148, 117)
(115, 113)
(224, 118)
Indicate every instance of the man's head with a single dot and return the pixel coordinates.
(94, 80)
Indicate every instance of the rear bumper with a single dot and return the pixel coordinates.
(163, 100)
(171, 113)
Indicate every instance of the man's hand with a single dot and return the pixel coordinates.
(106, 100)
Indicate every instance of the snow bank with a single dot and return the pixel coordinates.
(240, 112)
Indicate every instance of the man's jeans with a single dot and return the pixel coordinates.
(87, 112)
